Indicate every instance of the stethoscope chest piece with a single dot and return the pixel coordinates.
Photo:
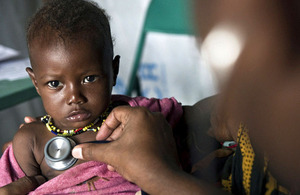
(58, 153)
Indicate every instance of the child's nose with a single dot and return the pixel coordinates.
(75, 96)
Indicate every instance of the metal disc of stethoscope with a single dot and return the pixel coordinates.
(58, 153)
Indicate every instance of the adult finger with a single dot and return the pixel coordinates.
(23, 185)
(29, 119)
(112, 126)
(145, 137)
(90, 151)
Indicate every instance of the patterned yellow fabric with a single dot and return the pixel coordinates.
(244, 175)
(227, 184)
(247, 156)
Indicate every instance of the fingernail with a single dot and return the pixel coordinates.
(27, 120)
(77, 153)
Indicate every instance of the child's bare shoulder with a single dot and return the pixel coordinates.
(28, 132)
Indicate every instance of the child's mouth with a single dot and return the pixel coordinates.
(77, 116)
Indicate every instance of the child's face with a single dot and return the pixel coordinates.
(74, 82)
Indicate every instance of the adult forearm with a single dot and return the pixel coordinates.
(170, 181)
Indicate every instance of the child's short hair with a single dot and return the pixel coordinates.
(65, 21)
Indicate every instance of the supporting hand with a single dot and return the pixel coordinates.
(23, 185)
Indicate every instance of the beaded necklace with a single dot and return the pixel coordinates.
(47, 119)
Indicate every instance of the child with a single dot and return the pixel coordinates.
(73, 70)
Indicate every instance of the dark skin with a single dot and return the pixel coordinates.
(263, 91)
(23, 185)
(36, 135)
(132, 127)
(274, 82)
(73, 98)
(199, 128)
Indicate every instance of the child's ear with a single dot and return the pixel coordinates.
(115, 64)
(32, 77)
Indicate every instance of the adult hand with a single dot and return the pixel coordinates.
(143, 152)
(23, 185)
(29, 119)
(138, 135)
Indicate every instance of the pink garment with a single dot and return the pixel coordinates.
(74, 179)
(9, 168)
(169, 107)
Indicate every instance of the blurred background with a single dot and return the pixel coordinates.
(170, 64)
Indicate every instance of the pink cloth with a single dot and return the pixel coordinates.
(9, 168)
(169, 107)
(74, 179)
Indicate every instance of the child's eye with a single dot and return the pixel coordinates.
(89, 79)
(54, 84)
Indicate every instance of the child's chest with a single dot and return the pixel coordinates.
(54, 153)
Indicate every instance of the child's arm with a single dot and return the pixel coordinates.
(27, 119)
(24, 143)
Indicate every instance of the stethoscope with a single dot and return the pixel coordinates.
(58, 152)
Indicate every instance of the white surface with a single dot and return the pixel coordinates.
(126, 20)
(172, 67)
(14, 69)
(7, 53)
(179, 68)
